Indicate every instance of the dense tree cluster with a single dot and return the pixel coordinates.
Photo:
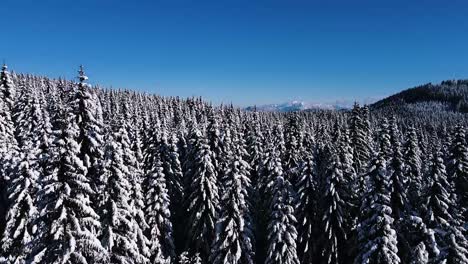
(93, 175)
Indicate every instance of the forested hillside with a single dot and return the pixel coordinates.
(93, 175)
(449, 95)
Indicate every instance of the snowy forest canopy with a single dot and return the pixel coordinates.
(92, 175)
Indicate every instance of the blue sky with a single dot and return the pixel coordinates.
(239, 51)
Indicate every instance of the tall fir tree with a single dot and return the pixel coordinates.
(118, 230)
(89, 138)
(234, 231)
(399, 201)
(7, 89)
(442, 215)
(376, 233)
(202, 197)
(336, 213)
(361, 144)
(157, 209)
(293, 137)
(67, 220)
(8, 144)
(282, 233)
(412, 156)
(23, 183)
(458, 169)
(307, 210)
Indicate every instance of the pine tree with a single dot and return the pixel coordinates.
(215, 141)
(282, 233)
(66, 217)
(172, 169)
(202, 198)
(7, 89)
(442, 216)
(118, 230)
(89, 138)
(336, 212)
(234, 241)
(135, 175)
(412, 156)
(22, 185)
(399, 202)
(377, 236)
(293, 147)
(458, 168)
(410, 232)
(157, 211)
(420, 255)
(384, 140)
(306, 210)
(359, 138)
(254, 147)
(264, 191)
(8, 144)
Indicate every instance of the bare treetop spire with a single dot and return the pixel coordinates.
(81, 75)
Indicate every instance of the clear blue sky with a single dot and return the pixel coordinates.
(240, 51)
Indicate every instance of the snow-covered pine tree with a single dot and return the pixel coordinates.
(307, 210)
(293, 138)
(234, 242)
(441, 215)
(219, 138)
(135, 178)
(172, 170)
(229, 128)
(254, 147)
(46, 133)
(359, 139)
(7, 130)
(8, 144)
(158, 215)
(376, 233)
(345, 153)
(7, 89)
(409, 231)
(89, 138)
(274, 150)
(336, 212)
(349, 194)
(384, 140)
(281, 230)
(22, 184)
(399, 202)
(214, 137)
(118, 228)
(412, 157)
(202, 198)
(66, 217)
(416, 240)
(263, 191)
(167, 147)
(420, 255)
(458, 169)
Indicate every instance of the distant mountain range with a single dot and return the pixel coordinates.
(304, 106)
(451, 95)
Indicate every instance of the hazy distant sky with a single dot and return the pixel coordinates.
(241, 51)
